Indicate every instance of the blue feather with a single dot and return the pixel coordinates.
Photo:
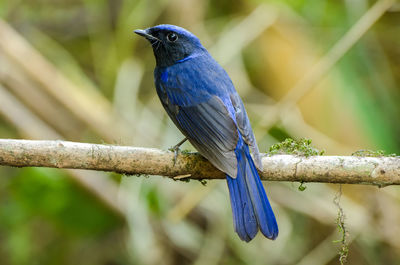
(201, 100)
(250, 206)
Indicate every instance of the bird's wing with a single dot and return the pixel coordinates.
(202, 102)
(244, 126)
(210, 129)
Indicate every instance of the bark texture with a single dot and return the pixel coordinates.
(379, 171)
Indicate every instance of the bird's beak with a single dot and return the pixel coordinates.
(145, 34)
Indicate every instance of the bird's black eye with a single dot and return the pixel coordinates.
(172, 37)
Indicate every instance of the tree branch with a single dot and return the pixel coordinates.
(379, 171)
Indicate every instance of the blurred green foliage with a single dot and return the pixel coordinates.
(46, 217)
(40, 207)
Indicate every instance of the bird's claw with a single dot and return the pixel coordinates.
(176, 150)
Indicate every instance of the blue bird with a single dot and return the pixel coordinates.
(201, 100)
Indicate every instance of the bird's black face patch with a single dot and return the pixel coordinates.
(170, 46)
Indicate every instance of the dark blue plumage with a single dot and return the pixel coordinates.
(201, 100)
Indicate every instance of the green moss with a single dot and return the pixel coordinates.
(371, 153)
(178, 152)
(300, 147)
(186, 151)
(203, 182)
(341, 225)
(302, 187)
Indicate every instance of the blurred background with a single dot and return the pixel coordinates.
(69, 69)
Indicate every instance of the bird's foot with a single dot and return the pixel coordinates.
(176, 149)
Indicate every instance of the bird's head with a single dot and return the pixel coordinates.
(171, 44)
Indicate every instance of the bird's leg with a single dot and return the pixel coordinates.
(175, 149)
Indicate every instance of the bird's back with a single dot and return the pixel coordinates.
(193, 81)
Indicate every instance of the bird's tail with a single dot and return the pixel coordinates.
(250, 206)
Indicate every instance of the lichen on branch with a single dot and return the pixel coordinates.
(128, 160)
